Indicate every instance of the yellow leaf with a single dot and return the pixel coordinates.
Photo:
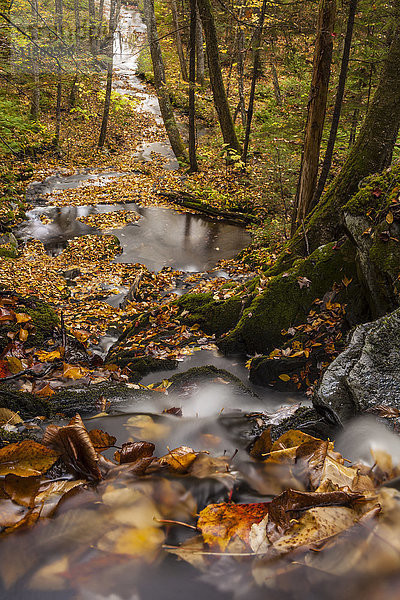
(49, 356)
(389, 218)
(9, 416)
(346, 281)
(26, 458)
(14, 364)
(22, 317)
(284, 377)
(23, 335)
(74, 372)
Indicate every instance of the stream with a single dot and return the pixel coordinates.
(73, 556)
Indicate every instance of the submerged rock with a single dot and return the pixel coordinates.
(366, 374)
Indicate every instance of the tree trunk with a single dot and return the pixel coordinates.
(59, 30)
(371, 153)
(275, 83)
(338, 105)
(256, 72)
(34, 114)
(217, 83)
(316, 112)
(240, 73)
(199, 49)
(160, 84)
(77, 24)
(192, 81)
(92, 28)
(110, 52)
(178, 40)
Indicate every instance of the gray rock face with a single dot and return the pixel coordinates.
(366, 374)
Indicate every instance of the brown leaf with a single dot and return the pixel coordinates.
(9, 416)
(310, 459)
(133, 451)
(219, 523)
(22, 490)
(288, 506)
(205, 465)
(262, 445)
(75, 446)
(101, 440)
(26, 458)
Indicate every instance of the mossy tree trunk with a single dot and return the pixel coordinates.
(316, 112)
(371, 153)
(217, 83)
(160, 84)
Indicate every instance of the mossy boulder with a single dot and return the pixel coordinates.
(213, 316)
(139, 366)
(372, 220)
(289, 296)
(44, 320)
(198, 376)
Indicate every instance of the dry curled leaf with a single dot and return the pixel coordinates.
(74, 444)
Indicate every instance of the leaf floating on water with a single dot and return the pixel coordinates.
(22, 490)
(75, 445)
(219, 523)
(101, 440)
(26, 458)
(142, 543)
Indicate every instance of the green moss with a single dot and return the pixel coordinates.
(14, 437)
(142, 365)
(288, 298)
(376, 193)
(213, 316)
(26, 404)
(45, 321)
(386, 256)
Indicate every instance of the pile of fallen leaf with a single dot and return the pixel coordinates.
(60, 362)
(327, 519)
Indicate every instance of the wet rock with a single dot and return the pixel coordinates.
(190, 380)
(71, 273)
(366, 374)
